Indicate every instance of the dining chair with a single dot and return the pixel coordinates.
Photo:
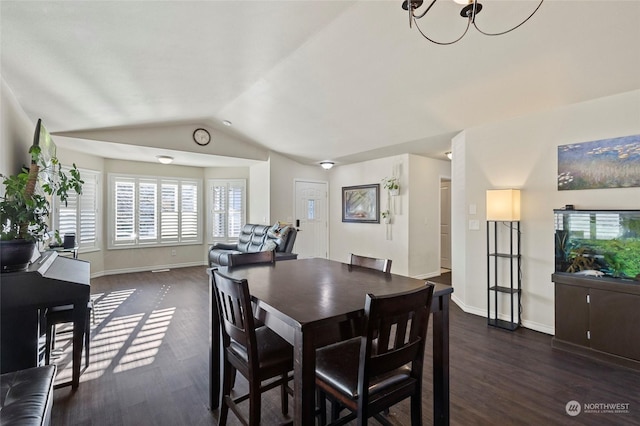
(238, 259)
(258, 354)
(64, 314)
(383, 265)
(384, 365)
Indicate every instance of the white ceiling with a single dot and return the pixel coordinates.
(314, 80)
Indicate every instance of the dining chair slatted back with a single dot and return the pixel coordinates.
(231, 306)
(238, 259)
(383, 265)
(256, 352)
(389, 358)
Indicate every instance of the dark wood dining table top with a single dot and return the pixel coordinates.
(306, 291)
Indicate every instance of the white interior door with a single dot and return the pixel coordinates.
(311, 219)
(445, 223)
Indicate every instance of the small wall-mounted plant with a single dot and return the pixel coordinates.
(391, 184)
(386, 216)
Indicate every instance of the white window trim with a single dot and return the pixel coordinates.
(155, 242)
(216, 182)
(98, 208)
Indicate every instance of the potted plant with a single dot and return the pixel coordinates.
(24, 212)
(392, 185)
(386, 216)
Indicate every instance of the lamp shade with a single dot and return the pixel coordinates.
(503, 205)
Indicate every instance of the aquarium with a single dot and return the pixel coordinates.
(598, 243)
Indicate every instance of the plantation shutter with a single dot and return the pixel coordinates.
(155, 211)
(124, 206)
(148, 211)
(87, 234)
(227, 208)
(189, 224)
(67, 215)
(169, 212)
(219, 210)
(79, 214)
(236, 209)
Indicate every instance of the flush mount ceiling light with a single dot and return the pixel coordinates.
(226, 122)
(469, 11)
(165, 159)
(327, 164)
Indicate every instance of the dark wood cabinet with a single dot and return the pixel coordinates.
(598, 317)
(572, 314)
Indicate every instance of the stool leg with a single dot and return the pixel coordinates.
(49, 344)
(87, 335)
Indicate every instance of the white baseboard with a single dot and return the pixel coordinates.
(147, 268)
(427, 275)
(482, 312)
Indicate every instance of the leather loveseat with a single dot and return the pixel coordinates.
(26, 396)
(255, 238)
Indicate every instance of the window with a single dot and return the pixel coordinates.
(80, 215)
(227, 201)
(154, 211)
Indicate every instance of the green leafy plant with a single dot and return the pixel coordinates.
(391, 183)
(24, 212)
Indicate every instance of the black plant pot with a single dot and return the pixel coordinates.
(16, 254)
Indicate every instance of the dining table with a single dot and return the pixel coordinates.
(314, 302)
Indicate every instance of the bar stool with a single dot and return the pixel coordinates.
(64, 314)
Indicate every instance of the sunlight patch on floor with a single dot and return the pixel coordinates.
(118, 343)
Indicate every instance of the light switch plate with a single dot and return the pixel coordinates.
(474, 225)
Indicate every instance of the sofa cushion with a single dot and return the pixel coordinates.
(269, 245)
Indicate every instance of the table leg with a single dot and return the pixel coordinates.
(304, 365)
(215, 358)
(441, 361)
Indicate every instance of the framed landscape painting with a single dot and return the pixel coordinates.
(361, 203)
(606, 163)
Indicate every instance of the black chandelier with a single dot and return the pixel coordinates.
(469, 11)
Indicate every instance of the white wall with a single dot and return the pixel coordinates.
(16, 133)
(424, 214)
(259, 193)
(522, 153)
(412, 241)
(459, 220)
(283, 172)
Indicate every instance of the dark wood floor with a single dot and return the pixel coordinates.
(149, 348)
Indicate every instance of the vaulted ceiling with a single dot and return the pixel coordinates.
(314, 80)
